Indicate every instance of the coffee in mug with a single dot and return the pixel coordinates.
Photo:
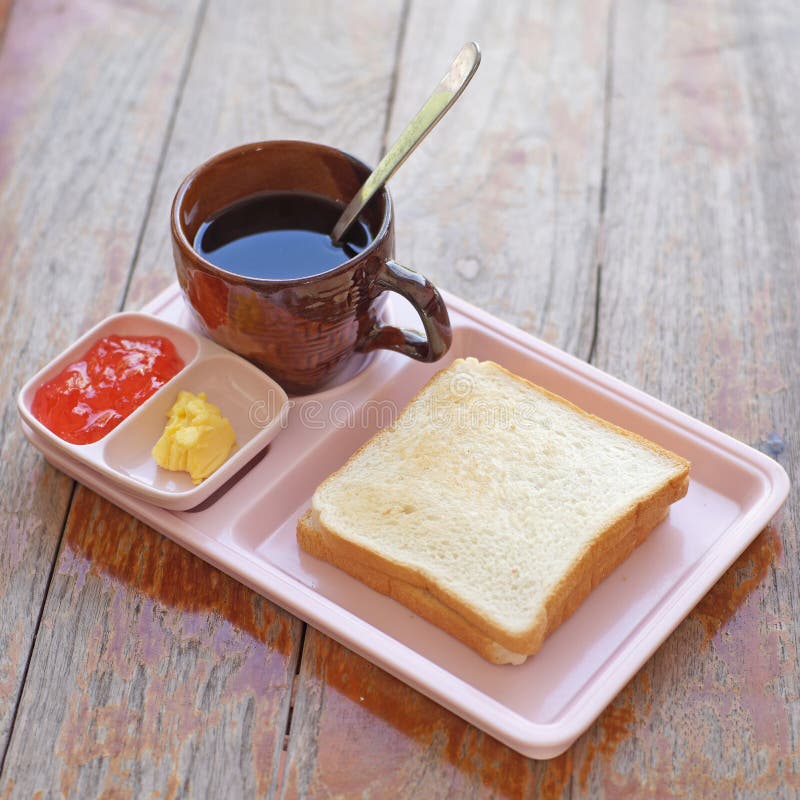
(251, 241)
(279, 236)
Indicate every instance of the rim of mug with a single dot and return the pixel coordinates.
(182, 239)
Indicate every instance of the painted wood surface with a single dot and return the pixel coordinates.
(698, 292)
(272, 71)
(154, 697)
(621, 179)
(715, 712)
(152, 675)
(86, 93)
(501, 205)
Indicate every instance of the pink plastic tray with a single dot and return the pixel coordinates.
(247, 530)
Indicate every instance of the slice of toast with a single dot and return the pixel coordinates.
(498, 500)
(314, 541)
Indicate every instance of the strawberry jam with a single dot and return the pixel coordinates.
(94, 394)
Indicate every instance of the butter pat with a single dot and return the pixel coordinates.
(197, 438)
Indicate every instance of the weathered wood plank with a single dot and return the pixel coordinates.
(167, 681)
(501, 203)
(86, 91)
(697, 292)
(357, 731)
(274, 71)
(153, 674)
(698, 295)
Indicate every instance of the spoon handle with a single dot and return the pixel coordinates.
(445, 94)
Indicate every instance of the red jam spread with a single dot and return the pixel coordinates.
(93, 395)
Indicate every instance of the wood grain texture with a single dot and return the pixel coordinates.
(501, 203)
(715, 712)
(153, 674)
(652, 146)
(85, 93)
(136, 692)
(273, 70)
(358, 732)
(698, 306)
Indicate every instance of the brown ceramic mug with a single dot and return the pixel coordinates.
(304, 331)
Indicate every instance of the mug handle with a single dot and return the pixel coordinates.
(427, 301)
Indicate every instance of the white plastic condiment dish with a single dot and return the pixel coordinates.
(255, 405)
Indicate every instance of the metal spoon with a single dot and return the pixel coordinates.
(445, 94)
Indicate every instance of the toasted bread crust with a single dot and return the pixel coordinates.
(601, 557)
(423, 603)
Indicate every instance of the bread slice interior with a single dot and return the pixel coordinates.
(492, 507)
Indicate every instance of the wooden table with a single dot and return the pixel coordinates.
(621, 179)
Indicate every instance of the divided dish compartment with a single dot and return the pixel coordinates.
(255, 405)
(575, 659)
